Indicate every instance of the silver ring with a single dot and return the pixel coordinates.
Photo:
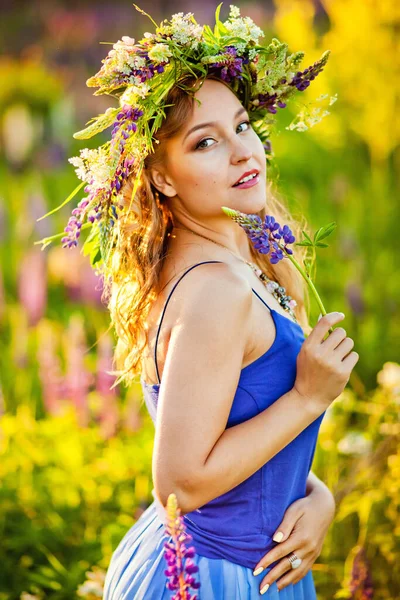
(294, 560)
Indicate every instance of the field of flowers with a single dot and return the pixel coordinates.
(75, 457)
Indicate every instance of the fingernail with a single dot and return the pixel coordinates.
(278, 537)
(320, 315)
(264, 589)
(258, 571)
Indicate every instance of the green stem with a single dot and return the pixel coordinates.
(309, 283)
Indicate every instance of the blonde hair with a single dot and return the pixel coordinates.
(143, 241)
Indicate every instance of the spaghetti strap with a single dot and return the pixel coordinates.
(263, 301)
(165, 306)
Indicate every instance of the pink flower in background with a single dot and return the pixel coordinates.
(361, 586)
(78, 377)
(109, 413)
(74, 271)
(32, 285)
(50, 372)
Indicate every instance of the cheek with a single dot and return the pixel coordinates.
(203, 173)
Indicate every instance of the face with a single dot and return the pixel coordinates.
(215, 149)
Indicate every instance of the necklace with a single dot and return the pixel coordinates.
(278, 291)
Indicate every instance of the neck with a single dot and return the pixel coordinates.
(240, 248)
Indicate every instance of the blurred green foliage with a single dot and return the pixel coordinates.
(66, 499)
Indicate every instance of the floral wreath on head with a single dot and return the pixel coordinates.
(140, 75)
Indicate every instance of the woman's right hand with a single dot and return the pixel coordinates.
(324, 365)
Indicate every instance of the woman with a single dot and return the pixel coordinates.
(242, 394)
(236, 391)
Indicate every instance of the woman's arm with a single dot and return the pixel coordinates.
(195, 456)
(316, 486)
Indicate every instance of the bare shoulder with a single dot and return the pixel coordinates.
(212, 284)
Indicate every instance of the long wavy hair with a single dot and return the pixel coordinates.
(143, 242)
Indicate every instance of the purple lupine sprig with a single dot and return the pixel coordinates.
(126, 121)
(269, 237)
(230, 65)
(179, 557)
(73, 228)
(267, 101)
(361, 585)
(302, 79)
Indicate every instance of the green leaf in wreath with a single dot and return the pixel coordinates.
(99, 123)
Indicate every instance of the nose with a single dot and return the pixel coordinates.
(241, 151)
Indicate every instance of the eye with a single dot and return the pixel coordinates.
(198, 145)
(245, 123)
(201, 142)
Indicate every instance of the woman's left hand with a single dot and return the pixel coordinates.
(304, 526)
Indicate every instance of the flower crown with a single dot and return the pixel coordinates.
(140, 75)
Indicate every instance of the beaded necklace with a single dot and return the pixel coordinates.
(278, 291)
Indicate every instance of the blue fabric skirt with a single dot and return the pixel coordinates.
(136, 571)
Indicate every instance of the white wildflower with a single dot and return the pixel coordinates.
(299, 126)
(354, 443)
(234, 12)
(389, 377)
(80, 171)
(252, 53)
(92, 166)
(133, 92)
(240, 47)
(159, 53)
(244, 28)
(333, 99)
(183, 29)
(126, 43)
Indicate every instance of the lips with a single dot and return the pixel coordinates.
(252, 172)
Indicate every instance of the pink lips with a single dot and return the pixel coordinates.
(249, 183)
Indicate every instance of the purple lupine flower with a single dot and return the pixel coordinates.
(269, 101)
(264, 235)
(302, 78)
(179, 558)
(361, 586)
(121, 174)
(74, 225)
(230, 66)
(267, 146)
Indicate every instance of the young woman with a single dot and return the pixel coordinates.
(236, 390)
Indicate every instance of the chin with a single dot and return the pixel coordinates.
(255, 206)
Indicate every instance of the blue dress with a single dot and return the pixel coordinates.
(234, 531)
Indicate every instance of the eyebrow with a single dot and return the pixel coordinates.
(211, 123)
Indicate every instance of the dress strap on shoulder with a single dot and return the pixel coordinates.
(263, 301)
(166, 304)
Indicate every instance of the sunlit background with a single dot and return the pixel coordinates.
(75, 457)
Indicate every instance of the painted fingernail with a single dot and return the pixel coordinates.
(258, 571)
(264, 589)
(278, 537)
